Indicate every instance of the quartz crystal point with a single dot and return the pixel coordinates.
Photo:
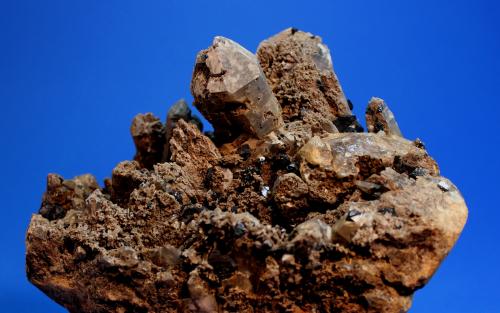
(380, 118)
(296, 214)
(149, 139)
(299, 69)
(179, 110)
(231, 91)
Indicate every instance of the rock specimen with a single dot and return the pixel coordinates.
(289, 208)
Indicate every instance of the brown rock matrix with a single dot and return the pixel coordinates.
(289, 207)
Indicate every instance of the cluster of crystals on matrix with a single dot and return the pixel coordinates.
(287, 206)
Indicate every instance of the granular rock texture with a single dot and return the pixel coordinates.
(289, 207)
(299, 68)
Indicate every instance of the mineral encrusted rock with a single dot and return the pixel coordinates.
(290, 208)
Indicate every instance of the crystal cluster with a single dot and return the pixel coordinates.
(289, 206)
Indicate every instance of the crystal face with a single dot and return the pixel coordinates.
(380, 118)
(232, 92)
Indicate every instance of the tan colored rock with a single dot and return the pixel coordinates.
(349, 150)
(178, 111)
(416, 211)
(167, 256)
(63, 195)
(317, 152)
(290, 195)
(149, 139)
(299, 69)
(202, 300)
(293, 215)
(333, 165)
(187, 141)
(231, 91)
(314, 232)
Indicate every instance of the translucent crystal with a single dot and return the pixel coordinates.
(231, 91)
(380, 118)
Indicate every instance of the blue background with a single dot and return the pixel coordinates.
(74, 73)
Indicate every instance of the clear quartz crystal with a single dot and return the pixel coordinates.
(234, 93)
(380, 118)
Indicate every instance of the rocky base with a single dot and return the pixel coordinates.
(287, 207)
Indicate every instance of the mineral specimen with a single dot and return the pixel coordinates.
(290, 208)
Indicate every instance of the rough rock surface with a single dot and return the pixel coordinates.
(289, 208)
(179, 111)
(149, 139)
(299, 69)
